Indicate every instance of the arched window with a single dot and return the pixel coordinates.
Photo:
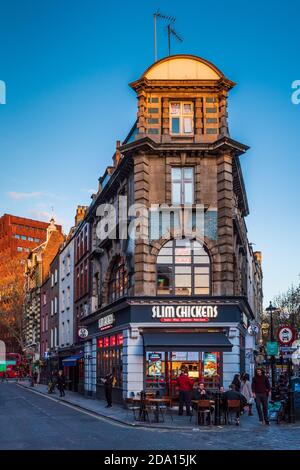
(118, 281)
(183, 268)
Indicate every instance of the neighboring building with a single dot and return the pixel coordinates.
(54, 276)
(162, 302)
(74, 364)
(45, 317)
(67, 346)
(37, 269)
(18, 236)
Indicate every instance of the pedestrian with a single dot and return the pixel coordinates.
(108, 382)
(35, 378)
(247, 392)
(4, 377)
(233, 394)
(185, 385)
(237, 382)
(61, 383)
(261, 389)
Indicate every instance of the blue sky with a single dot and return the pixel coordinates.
(67, 63)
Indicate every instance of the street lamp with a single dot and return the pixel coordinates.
(270, 310)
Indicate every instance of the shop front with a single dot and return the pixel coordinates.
(198, 352)
(146, 343)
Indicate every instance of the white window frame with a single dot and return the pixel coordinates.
(182, 182)
(182, 116)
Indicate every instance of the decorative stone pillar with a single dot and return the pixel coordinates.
(141, 187)
(231, 360)
(133, 362)
(224, 272)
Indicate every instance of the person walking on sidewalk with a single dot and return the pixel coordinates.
(247, 392)
(261, 389)
(61, 383)
(108, 382)
(185, 385)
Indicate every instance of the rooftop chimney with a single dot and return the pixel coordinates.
(117, 156)
(80, 214)
(258, 256)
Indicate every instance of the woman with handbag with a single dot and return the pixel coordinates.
(247, 392)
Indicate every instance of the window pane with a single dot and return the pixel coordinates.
(188, 193)
(187, 125)
(165, 252)
(183, 280)
(175, 126)
(188, 173)
(183, 259)
(183, 291)
(201, 269)
(176, 193)
(182, 242)
(176, 174)
(164, 259)
(183, 269)
(183, 251)
(201, 281)
(187, 108)
(175, 108)
(201, 259)
(202, 291)
(164, 283)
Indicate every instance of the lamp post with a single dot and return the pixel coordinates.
(271, 309)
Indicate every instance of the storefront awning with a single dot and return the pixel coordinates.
(209, 342)
(71, 361)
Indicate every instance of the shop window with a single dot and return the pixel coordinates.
(182, 118)
(182, 185)
(118, 282)
(163, 369)
(109, 358)
(183, 268)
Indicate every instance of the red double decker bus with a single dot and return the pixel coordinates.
(13, 363)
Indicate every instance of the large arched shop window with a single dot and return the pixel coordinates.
(183, 268)
(118, 281)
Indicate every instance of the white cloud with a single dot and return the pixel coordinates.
(19, 196)
(24, 196)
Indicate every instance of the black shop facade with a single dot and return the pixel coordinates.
(146, 342)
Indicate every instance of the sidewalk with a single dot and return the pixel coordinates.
(123, 416)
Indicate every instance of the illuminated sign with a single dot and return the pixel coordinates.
(106, 322)
(184, 313)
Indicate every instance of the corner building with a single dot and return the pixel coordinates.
(164, 302)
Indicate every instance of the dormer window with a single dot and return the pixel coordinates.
(181, 118)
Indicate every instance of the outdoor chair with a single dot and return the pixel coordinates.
(133, 407)
(233, 406)
(202, 411)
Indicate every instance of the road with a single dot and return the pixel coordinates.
(30, 421)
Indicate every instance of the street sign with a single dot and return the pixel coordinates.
(83, 333)
(286, 335)
(253, 329)
(272, 348)
(287, 349)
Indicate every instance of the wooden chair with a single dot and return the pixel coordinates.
(233, 406)
(132, 406)
(203, 410)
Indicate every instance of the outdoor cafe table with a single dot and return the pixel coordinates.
(197, 402)
(157, 402)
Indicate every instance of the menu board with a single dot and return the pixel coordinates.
(210, 365)
(154, 364)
